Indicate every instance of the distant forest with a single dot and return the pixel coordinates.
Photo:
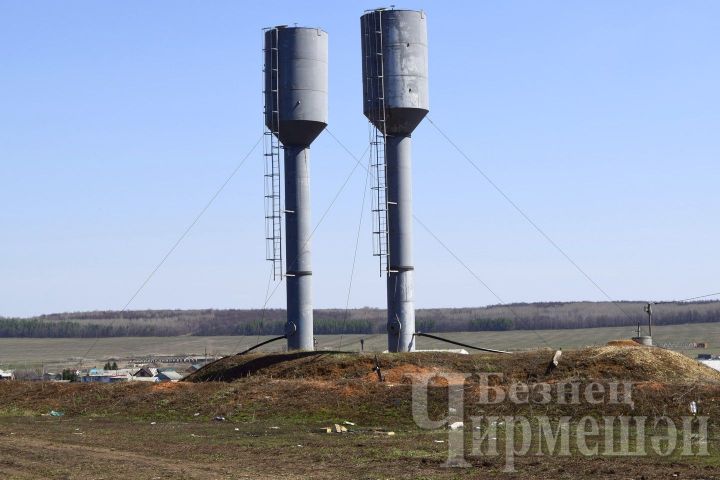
(521, 316)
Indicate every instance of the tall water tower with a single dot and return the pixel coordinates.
(395, 100)
(296, 112)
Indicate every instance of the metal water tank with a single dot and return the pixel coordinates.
(296, 83)
(395, 69)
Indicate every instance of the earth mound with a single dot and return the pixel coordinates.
(608, 363)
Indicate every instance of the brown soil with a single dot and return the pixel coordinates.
(613, 362)
(276, 407)
(623, 343)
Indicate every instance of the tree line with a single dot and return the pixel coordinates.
(209, 322)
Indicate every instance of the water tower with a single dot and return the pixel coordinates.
(395, 100)
(296, 112)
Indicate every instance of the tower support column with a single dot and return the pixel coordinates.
(400, 281)
(298, 260)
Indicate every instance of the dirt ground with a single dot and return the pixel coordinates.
(101, 448)
(275, 410)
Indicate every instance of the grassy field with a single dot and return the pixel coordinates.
(18, 352)
(274, 421)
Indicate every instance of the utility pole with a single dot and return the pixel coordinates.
(647, 309)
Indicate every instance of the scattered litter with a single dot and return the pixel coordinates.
(53, 413)
(439, 441)
(452, 410)
(219, 418)
(299, 445)
(390, 434)
(197, 414)
(195, 436)
(348, 423)
(78, 433)
(556, 357)
(456, 426)
(693, 407)
(335, 429)
(237, 429)
(275, 428)
(153, 423)
(77, 429)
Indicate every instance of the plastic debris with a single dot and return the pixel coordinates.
(693, 407)
(336, 429)
(219, 418)
(153, 423)
(275, 428)
(237, 429)
(348, 423)
(439, 441)
(53, 413)
(456, 426)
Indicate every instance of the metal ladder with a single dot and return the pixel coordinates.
(271, 154)
(375, 86)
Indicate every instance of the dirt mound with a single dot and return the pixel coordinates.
(647, 364)
(612, 362)
(623, 343)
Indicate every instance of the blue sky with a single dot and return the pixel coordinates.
(119, 120)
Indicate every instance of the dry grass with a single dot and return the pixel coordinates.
(611, 362)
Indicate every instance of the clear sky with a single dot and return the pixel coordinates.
(119, 121)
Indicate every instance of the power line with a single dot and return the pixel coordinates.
(697, 298)
(487, 287)
(357, 242)
(527, 218)
(322, 218)
(178, 241)
(417, 219)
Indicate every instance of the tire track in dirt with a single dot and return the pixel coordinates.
(26, 457)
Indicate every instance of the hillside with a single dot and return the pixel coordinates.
(282, 405)
(209, 322)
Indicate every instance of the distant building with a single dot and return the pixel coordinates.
(106, 376)
(146, 372)
(715, 364)
(168, 375)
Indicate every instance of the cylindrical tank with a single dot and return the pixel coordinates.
(296, 83)
(296, 110)
(395, 100)
(395, 75)
(644, 340)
